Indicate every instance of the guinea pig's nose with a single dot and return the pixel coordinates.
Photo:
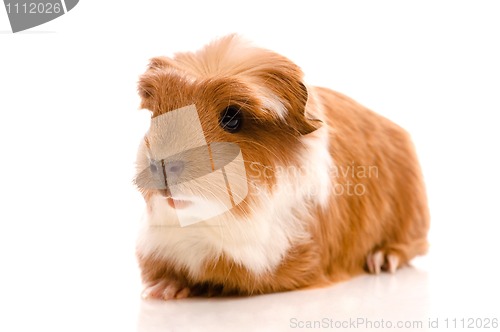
(174, 167)
(153, 166)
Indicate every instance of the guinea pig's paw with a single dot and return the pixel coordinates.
(166, 290)
(380, 260)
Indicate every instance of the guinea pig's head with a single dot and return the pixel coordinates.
(224, 120)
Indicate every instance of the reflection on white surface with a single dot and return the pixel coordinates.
(399, 297)
(429, 297)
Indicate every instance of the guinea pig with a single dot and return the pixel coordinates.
(325, 188)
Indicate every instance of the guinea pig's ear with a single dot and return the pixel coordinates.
(306, 124)
(146, 87)
(160, 62)
(286, 81)
(147, 81)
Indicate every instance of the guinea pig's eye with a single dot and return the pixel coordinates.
(231, 119)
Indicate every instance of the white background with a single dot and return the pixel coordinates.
(69, 127)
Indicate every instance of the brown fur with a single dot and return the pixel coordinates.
(391, 216)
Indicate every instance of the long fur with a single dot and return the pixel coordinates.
(330, 182)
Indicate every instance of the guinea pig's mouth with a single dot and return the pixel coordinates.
(174, 202)
(178, 203)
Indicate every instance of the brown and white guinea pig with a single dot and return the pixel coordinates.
(333, 189)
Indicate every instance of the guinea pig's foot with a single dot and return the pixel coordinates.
(166, 290)
(379, 260)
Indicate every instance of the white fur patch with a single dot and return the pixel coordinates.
(163, 237)
(320, 163)
(271, 102)
(258, 243)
